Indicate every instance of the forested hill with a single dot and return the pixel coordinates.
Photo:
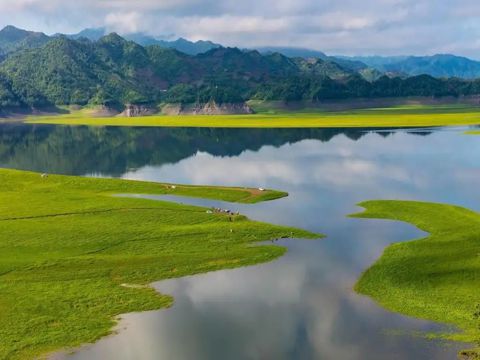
(113, 71)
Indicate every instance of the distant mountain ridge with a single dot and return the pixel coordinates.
(372, 67)
(181, 44)
(295, 52)
(440, 65)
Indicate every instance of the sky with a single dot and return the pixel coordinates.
(347, 27)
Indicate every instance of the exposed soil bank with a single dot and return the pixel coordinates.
(210, 108)
(365, 103)
(242, 108)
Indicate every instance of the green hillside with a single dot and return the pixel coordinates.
(115, 72)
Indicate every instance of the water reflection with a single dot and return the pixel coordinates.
(114, 150)
(301, 306)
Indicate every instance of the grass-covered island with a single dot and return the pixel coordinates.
(436, 277)
(73, 256)
(267, 117)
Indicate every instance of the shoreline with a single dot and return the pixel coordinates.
(382, 117)
(83, 279)
(423, 278)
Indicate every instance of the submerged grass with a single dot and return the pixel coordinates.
(400, 116)
(73, 257)
(434, 278)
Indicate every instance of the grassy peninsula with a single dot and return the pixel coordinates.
(399, 116)
(434, 278)
(73, 256)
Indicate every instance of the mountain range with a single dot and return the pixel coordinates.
(40, 71)
(182, 45)
(440, 65)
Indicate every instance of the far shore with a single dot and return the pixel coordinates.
(404, 116)
(362, 113)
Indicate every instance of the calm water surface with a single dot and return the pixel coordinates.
(301, 306)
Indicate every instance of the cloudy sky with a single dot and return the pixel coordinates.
(334, 26)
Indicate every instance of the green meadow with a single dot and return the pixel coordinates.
(399, 116)
(434, 278)
(473, 132)
(73, 256)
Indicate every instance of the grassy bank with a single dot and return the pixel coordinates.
(434, 278)
(73, 257)
(399, 116)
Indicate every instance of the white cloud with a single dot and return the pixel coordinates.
(343, 26)
(129, 22)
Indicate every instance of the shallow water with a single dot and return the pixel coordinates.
(302, 305)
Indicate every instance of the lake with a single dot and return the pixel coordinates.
(301, 306)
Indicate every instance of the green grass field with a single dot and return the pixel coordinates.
(434, 278)
(73, 257)
(399, 116)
